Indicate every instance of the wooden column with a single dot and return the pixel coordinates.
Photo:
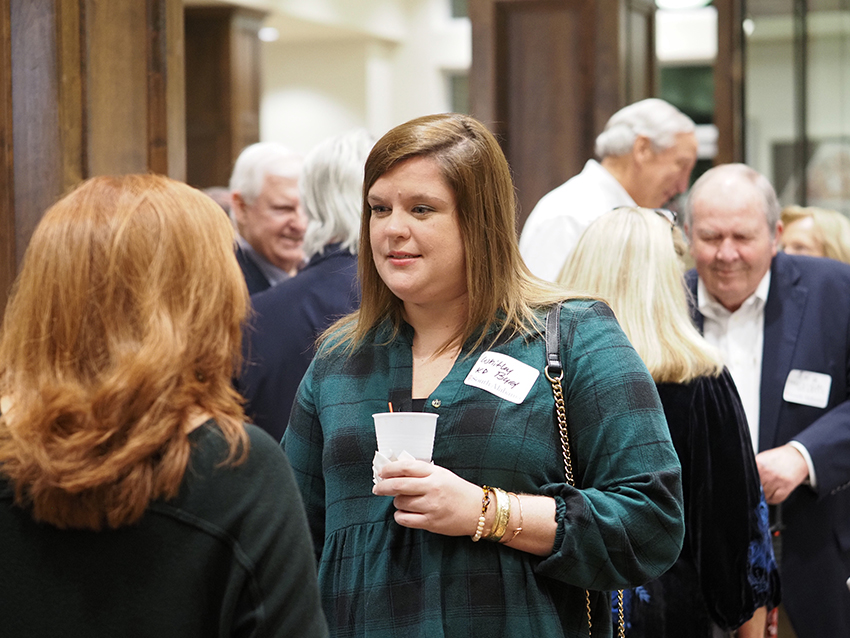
(89, 87)
(8, 256)
(547, 74)
(729, 82)
(222, 90)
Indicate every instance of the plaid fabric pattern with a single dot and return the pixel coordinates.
(624, 527)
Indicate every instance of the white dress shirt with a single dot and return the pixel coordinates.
(739, 336)
(557, 222)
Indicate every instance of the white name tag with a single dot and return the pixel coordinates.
(503, 376)
(807, 388)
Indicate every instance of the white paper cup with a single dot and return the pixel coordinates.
(411, 432)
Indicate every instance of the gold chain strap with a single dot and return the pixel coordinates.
(561, 412)
(621, 615)
(562, 424)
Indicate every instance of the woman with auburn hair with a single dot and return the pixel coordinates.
(726, 571)
(133, 499)
(490, 540)
(816, 232)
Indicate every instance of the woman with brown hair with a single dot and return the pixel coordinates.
(133, 499)
(490, 540)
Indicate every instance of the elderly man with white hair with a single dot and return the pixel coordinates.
(280, 342)
(267, 212)
(648, 150)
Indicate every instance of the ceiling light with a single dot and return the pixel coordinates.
(681, 4)
(268, 34)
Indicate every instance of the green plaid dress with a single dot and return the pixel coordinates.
(624, 527)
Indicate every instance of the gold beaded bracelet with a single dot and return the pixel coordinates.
(503, 515)
(485, 503)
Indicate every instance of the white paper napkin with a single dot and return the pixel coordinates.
(380, 460)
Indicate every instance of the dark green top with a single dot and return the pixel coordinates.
(230, 556)
(625, 526)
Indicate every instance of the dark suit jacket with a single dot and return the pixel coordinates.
(254, 277)
(807, 327)
(279, 343)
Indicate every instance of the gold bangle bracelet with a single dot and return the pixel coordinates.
(503, 515)
(519, 527)
(485, 503)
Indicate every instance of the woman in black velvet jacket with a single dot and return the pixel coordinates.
(726, 574)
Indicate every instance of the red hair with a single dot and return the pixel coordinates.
(125, 321)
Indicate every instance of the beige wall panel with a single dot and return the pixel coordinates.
(117, 86)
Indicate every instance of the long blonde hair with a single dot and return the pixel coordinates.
(502, 291)
(124, 322)
(629, 257)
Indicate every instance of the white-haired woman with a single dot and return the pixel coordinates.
(726, 571)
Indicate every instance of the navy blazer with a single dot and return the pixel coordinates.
(807, 327)
(254, 277)
(279, 342)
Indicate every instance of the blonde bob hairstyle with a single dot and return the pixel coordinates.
(830, 229)
(502, 292)
(629, 257)
(124, 325)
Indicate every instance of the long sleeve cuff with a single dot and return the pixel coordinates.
(812, 480)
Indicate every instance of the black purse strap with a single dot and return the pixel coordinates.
(554, 369)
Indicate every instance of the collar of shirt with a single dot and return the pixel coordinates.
(271, 272)
(711, 308)
(613, 188)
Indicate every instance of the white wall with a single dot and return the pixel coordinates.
(312, 91)
(769, 96)
(829, 78)
(687, 36)
(376, 63)
(769, 91)
(370, 63)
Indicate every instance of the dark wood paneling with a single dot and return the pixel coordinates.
(729, 82)
(38, 158)
(609, 53)
(175, 87)
(89, 87)
(166, 102)
(7, 175)
(208, 97)
(222, 90)
(540, 41)
(71, 68)
(245, 65)
(547, 74)
(157, 98)
(483, 74)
